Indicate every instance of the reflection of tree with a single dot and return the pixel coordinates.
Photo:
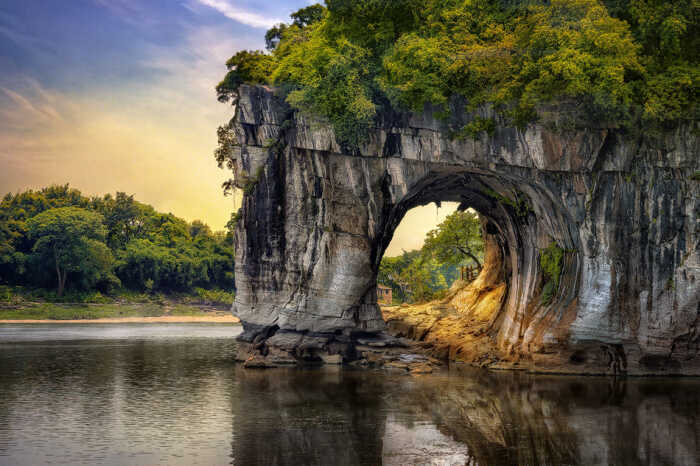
(100, 401)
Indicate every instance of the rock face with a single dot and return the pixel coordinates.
(621, 210)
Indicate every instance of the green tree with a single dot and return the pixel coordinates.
(70, 240)
(273, 36)
(414, 276)
(337, 87)
(199, 229)
(187, 254)
(309, 15)
(11, 260)
(390, 273)
(422, 279)
(456, 240)
(246, 66)
(122, 219)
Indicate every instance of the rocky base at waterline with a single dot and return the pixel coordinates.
(370, 351)
(459, 328)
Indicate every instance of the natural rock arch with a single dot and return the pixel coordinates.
(316, 219)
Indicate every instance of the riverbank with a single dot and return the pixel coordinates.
(114, 313)
(211, 319)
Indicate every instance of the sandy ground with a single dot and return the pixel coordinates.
(222, 319)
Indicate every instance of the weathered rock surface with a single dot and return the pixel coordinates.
(316, 220)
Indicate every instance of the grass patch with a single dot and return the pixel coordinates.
(53, 311)
(209, 297)
(17, 296)
(17, 303)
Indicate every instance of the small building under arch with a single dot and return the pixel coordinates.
(384, 294)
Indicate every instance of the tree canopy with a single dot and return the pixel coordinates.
(58, 236)
(70, 239)
(620, 61)
(457, 240)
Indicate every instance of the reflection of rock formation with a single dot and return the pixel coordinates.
(331, 416)
(289, 417)
(502, 421)
(520, 419)
(153, 402)
(623, 210)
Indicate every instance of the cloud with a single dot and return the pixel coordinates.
(242, 16)
(131, 11)
(41, 111)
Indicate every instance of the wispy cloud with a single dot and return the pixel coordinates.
(242, 16)
(41, 109)
(130, 11)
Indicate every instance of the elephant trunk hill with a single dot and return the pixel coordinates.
(592, 262)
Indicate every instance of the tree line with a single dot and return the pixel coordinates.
(425, 274)
(58, 238)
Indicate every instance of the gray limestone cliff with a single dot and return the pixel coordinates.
(623, 210)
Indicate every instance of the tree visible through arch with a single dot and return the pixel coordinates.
(456, 239)
(427, 273)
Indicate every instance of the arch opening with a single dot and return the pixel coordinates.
(433, 248)
(513, 301)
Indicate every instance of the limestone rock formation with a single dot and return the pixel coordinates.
(621, 210)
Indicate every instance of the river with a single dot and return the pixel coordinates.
(147, 394)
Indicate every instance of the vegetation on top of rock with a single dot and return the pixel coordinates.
(619, 61)
(252, 67)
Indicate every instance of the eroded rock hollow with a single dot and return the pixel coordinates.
(620, 210)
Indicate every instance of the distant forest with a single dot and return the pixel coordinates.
(427, 273)
(57, 239)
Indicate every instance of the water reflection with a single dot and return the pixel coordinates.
(180, 400)
(466, 417)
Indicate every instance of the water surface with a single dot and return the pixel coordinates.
(121, 394)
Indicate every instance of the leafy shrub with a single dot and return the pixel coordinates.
(551, 264)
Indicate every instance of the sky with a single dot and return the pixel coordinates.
(118, 95)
